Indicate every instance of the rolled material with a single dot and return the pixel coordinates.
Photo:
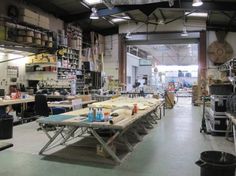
(122, 114)
(116, 119)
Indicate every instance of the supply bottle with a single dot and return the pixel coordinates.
(90, 115)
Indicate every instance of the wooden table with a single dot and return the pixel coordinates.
(23, 102)
(69, 104)
(77, 121)
(16, 101)
(231, 127)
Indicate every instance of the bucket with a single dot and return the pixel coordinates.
(217, 163)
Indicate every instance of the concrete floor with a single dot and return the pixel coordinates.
(170, 149)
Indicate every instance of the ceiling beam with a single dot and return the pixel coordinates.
(185, 5)
(162, 15)
(221, 28)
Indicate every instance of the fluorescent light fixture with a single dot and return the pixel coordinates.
(161, 22)
(171, 3)
(120, 19)
(196, 14)
(197, 3)
(184, 33)
(92, 2)
(94, 15)
(128, 35)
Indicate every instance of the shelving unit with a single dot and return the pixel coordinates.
(230, 68)
(24, 36)
(68, 63)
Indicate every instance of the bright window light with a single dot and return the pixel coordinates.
(197, 14)
(120, 19)
(92, 2)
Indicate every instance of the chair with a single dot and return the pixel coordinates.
(76, 104)
(41, 105)
(41, 108)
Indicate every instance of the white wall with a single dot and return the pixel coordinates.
(145, 70)
(4, 78)
(111, 58)
(132, 61)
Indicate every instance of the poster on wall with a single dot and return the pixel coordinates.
(12, 71)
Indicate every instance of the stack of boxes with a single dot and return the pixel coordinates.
(30, 17)
(194, 94)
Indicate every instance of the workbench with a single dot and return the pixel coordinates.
(231, 127)
(76, 125)
(68, 104)
(16, 101)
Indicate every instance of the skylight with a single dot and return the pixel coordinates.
(92, 2)
(120, 19)
(197, 14)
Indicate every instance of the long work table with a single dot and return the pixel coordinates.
(16, 101)
(68, 104)
(75, 122)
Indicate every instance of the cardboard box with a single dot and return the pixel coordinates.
(43, 25)
(84, 97)
(28, 20)
(43, 19)
(29, 13)
(170, 100)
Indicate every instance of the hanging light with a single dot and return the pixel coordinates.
(94, 15)
(128, 35)
(171, 3)
(197, 3)
(184, 33)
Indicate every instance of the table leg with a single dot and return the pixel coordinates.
(229, 128)
(69, 134)
(51, 140)
(164, 109)
(234, 133)
(106, 146)
(126, 142)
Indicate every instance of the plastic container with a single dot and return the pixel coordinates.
(216, 163)
(106, 116)
(90, 115)
(135, 110)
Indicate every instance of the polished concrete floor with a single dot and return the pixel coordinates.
(170, 149)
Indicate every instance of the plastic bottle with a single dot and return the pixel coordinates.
(98, 115)
(101, 115)
(90, 115)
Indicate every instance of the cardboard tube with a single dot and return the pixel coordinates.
(116, 119)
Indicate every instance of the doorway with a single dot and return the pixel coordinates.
(172, 67)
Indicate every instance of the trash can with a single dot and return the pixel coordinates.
(217, 163)
(6, 126)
